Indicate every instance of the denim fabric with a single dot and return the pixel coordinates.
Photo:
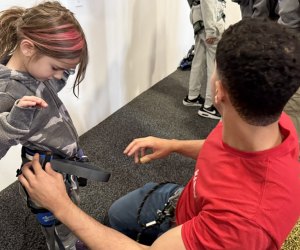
(123, 213)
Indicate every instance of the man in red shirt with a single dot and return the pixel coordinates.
(243, 194)
(237, 194)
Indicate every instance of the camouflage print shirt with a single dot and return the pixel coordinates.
(48, 128)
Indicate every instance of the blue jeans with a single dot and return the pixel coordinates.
(123, 214)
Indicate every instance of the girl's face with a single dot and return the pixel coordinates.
(46, 68)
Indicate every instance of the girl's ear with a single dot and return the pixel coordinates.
(27, 48)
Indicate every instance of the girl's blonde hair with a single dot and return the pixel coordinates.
(53, 30)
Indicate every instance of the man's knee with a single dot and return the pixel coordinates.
(123, 212)
(114, 215)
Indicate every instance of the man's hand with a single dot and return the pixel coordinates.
(31, 101)
(47, 187)
(160, 149)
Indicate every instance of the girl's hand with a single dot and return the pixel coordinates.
(31, 101)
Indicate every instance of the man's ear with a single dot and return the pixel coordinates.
(220, 92)
(27, 48)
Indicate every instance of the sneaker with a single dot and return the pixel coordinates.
(210, 112)
(199, 101)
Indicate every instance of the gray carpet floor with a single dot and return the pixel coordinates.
(158, 112)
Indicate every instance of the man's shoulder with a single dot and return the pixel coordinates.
(286, 122)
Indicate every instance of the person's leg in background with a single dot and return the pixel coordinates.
(197, 74)
(289, 16)
(208, 110)
(198, 68)
(208, 23)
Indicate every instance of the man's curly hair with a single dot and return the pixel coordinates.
(258, 62)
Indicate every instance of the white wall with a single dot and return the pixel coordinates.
(133, 44)
(232, 12)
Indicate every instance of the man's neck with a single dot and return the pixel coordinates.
(248, 138)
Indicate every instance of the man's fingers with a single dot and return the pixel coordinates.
(136, 157)
(127, 149)
(145, 159)
(36, 164)
(132, 147)
(138, 154)
(23, 181)
(137, 146)
(50, 170)
(27, 171)
(143, 152)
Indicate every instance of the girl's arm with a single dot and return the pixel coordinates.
(15, 121)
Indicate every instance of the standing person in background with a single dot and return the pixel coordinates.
(258, 8)
(207, 18)
(289, 16)
(39, 48)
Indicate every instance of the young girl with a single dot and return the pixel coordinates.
(39, 48)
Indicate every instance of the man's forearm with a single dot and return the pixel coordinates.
(91, 232)
(47, 188)
(188, 148)
(97, 236)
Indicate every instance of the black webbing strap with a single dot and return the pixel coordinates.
(77, 168)
(80, 169)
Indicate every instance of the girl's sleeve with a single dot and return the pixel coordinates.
(15, 122)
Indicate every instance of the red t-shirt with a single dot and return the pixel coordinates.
(241, 200)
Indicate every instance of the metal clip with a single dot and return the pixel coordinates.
(150, 224)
